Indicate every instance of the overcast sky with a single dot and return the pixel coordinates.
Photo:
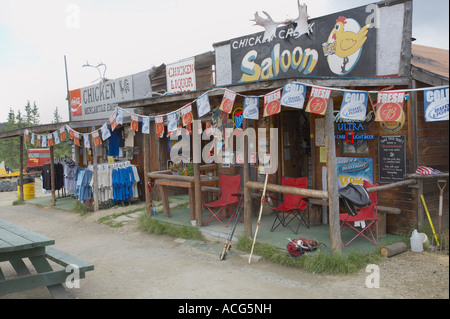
(132, 36)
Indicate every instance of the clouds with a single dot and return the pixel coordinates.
(132, 36)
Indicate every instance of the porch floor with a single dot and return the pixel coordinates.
(279, 236)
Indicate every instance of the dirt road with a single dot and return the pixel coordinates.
(132, 264)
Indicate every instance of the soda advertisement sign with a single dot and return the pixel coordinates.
(100, 100)
(354, 170)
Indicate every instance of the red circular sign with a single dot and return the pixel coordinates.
(318, 105)
(389, 112)
(273, 107)
(159, 129)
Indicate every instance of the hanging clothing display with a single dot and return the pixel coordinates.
(47, 178)
(70, 169)
(83, 189)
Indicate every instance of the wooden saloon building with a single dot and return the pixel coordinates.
(309, 67)
(316, 145)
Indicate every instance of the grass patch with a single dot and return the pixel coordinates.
(109, 220)
(152, 226)
(18, 202)
(79, 208)
(317, 262)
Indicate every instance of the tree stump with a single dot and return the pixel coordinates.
(394, 249)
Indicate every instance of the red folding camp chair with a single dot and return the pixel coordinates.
(229, 197)
(292, 207)
(368, 215)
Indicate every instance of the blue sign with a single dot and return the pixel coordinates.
(293, 95)
(354, 170)
(436, 104)
(354, 106)
(251, 107)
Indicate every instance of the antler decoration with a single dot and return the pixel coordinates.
(269, 25)
(300, 23)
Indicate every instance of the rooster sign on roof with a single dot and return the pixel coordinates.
(344, 45)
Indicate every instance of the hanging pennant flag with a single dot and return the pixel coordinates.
(76, 138)
(272, 103)
(318, 100)
(251, 107)
(436, 104)
(112, 120)
(171, 121)
(71, 133)
(135, 122)
(293, 95)
(33, 139)
(62, 133)
(38, 140)
(390, 106)
(354, 106)
(87, 144)
(186, 115)
(203, 106)
(26, 135)
(105, 131)
(56, 137)
(227, 101)
(96, 138)
(50, 139)
(119, 115)
(159, 124)
(44, 141)
(146, 124)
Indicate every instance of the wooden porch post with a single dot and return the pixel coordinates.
(146, 141)
(21, 197)
(95, 175)
(333, 196)
(247, 209)
(52, 174)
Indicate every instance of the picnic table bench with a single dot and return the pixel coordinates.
(18, 243)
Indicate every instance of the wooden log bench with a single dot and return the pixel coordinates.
(382, 211)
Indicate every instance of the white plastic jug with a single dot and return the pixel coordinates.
(416, 241)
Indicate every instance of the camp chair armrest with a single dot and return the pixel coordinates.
(236, 194)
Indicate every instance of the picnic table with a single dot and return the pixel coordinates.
(164, 183)
(17, 244)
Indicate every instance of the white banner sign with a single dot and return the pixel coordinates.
(181, 76)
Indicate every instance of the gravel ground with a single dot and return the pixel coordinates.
(132, 264)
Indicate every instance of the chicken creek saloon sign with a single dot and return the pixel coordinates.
(341, 44)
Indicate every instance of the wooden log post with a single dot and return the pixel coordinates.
(95, 174)
(394, 249)
(52, 175)
(21, 197)
(146, 141)
(332, 184)
(198, 195)
(247, 210)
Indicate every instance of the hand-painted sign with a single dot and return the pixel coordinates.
(391, 158)
(340, 44)
(436, 104)
(181, 76)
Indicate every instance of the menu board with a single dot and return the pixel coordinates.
(391, 158)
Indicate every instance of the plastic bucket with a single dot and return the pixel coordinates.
(28, 189)
(425, 241)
